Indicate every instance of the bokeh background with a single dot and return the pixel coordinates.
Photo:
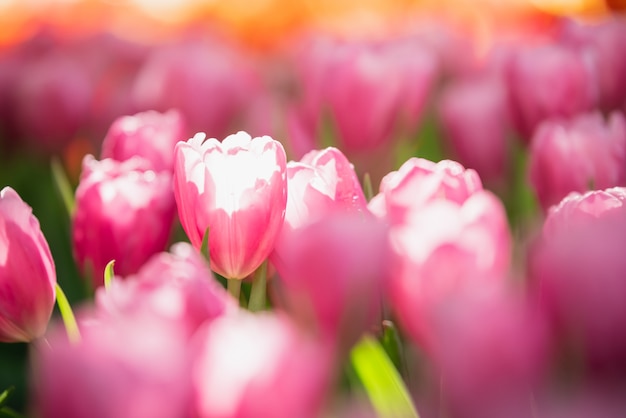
(68, 68)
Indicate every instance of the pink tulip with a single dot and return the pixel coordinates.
(491, 354)
(151, 135)
(584, 153)
(321, 183)
(131, 366)
(27, 275)
(124, 212)
(176, 286)
(476, 121)
(578, 273)
(258, 366)
(238, 190)
(548, 81)
(207, 81)
(417, 182)
(369, 92)
(443, 249)
(333, 274)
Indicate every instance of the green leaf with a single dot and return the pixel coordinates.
(5, 395)
(71, 327)
(381, 381)
(63, 186)
(108, 274)
(392, 344)
(367, 187)
(10, 413)
(204, 248)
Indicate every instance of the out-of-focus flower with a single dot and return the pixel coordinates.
(443, 249)
(131, 366)
(27, 275)
(151, 135)
(333, 275)
(574, 156)
(418, 181)
(238, 190)
(258, 366)
(598, 43)
(321, 183)
(54, 81)
(176, 286)
(491, 353)
(578, 273)
(476, 121)
(209, 83)
(548, 81)
(368, 93)
(124, 212)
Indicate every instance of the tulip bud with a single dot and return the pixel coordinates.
(237, 190)
(124, 212)
(258, 366)
(584, 153)
(27, 275)
(151, 135)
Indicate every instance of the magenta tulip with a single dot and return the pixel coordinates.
(258, 366)
(151, 135)
(237, 190)
(27, 275)
(578, 155)
(176, 286)
(124, 212)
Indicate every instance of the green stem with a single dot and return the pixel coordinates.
(259, 288)
(71, 327)
(63, 185)
(234, 288)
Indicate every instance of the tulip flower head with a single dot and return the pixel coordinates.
(237, 190)
(27, 275)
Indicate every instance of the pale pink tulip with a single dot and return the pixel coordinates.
(333, 275)
(131, 366)
(124, 212)
(27, 275)
(238, 190)
(176, 286)
(578, 155)
(418, 181)
(151, 135)
(258, 366)
(320, 183)
(443, 249)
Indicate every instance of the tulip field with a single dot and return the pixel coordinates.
(414, 210)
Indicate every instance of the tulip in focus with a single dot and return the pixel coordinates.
(151, 135)
(27, 274)
(258, 366)
(176, 286)
(582, 154)
(124, 212)
(333, 276)
(237, 190)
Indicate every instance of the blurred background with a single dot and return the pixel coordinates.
(69, 68)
